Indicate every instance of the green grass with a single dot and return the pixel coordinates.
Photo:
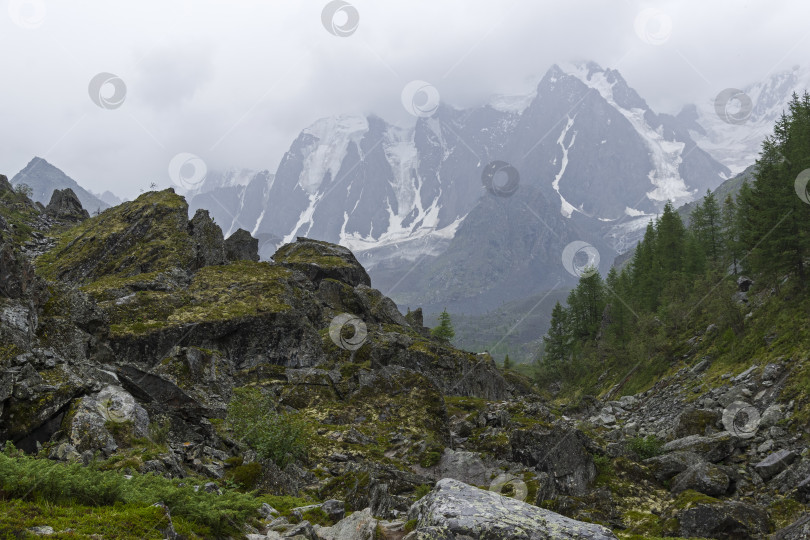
(39, 480)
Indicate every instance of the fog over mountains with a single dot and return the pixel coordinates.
(593, 163)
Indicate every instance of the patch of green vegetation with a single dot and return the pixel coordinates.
(646, 447)
(410, 525)
(690, 498)
(125, 521)
(24, 477)
(785, 511)
(430, 458)
(317, 516)
(246, 476)
(216, 293)
(279, 437)
(307, 254)
(422, 490)
(604, 470)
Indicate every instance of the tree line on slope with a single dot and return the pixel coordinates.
(680, 273)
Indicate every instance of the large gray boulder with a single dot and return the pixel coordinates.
(775, 463)
(241, 246)
(713, 448)
(358, 526)
(726, 520)
(456, 510)
(703, 477)
(666, 466)
(88, 427)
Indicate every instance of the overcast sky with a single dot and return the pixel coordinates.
(235, 81)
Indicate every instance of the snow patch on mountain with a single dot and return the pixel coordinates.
(325, 155)
(665, 155)
(566, 209)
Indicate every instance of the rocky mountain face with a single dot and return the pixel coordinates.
(43, 178)
(592, 162)
(140, 321)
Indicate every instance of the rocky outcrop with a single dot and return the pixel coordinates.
(558, 451)
(456, 510)
(241, 246)
(321, 260)
(726, 520)
(65, 205)
(207, 239)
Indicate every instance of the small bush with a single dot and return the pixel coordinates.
(646, 447)
(281, 438)
(247, 476)
(159, 431)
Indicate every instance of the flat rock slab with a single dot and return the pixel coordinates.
(775, 463)
(456, 510)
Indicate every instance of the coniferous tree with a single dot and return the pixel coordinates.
(557, 340)
(705, 225)
(445, 329)
(730, 234)
(507, 363)
(586, 303)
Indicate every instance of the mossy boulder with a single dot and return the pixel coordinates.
(320, 260)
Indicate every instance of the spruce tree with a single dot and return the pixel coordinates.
(507, 363)
(557, 339)
(445, 329)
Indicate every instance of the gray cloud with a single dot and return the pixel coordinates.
(234, 82)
